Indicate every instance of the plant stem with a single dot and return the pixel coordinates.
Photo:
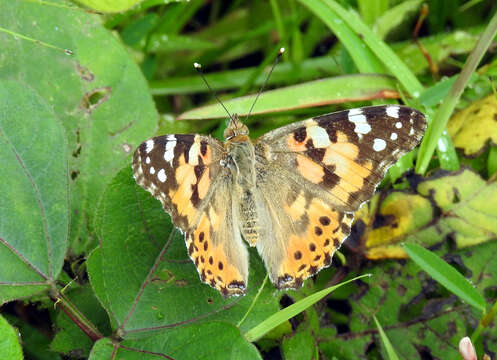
(484, 322)
(75, 315)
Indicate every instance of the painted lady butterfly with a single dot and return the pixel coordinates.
(291, 193)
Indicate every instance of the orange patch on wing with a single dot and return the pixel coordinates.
(203, 184)
(309, 169)
(312, 250)
(214, 218)
(181, 196)
(212, 261)
(295, 145)
(297, 208)
(343, 155)
(207, 158)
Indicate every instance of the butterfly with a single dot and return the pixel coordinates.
(291, 193)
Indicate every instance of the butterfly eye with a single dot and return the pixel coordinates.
(229, 133)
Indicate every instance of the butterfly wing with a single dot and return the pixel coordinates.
(332, 164)
(183, 172)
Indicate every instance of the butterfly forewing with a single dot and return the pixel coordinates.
(345, 153)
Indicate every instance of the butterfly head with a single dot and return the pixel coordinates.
(236, 130)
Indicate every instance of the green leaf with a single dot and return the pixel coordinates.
(475, 127)
(34, 208)
(209, 340)
(445, 275)
(301, 346)
(9, 342)
(371, 10)
(165, 43)
(394, 17)
(162, 289)
(98, 94)
(459, 206)
(283, 315)
(326, 91)
(392, 355)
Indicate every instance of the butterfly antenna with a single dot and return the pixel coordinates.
(198, 67)
(278, 57)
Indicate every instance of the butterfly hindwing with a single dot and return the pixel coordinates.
(304, 233)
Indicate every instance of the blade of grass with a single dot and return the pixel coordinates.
(257, 72)
(492, 161)
(363, 57)
(382, 51)
(447, 155)
(446, 275)
(283, 315)
(297, 47)
(232, 79)
(437, 126)
(392, 355)
(484, 323)
(279, 25)
(371, 10)
(358, 87)
(395, 16)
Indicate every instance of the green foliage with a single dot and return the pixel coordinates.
(90, 264)
(9, 342)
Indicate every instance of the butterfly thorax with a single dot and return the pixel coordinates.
(241, 163)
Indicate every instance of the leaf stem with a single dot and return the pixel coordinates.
(253, 301)
(75, 315)
(484, 322)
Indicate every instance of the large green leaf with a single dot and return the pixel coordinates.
(34, 208)
(142, 274)
(209, 340)
(98, 93)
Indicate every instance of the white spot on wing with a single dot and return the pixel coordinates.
(379, 145)
(152, 170)
(393, 136)
(149, 146)
(193, 153)
(361, 123)
(147, 160)
(398, 125)
(319, 136)
(161, 175)
(170, 145)
(393, 111)
(411, 132)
